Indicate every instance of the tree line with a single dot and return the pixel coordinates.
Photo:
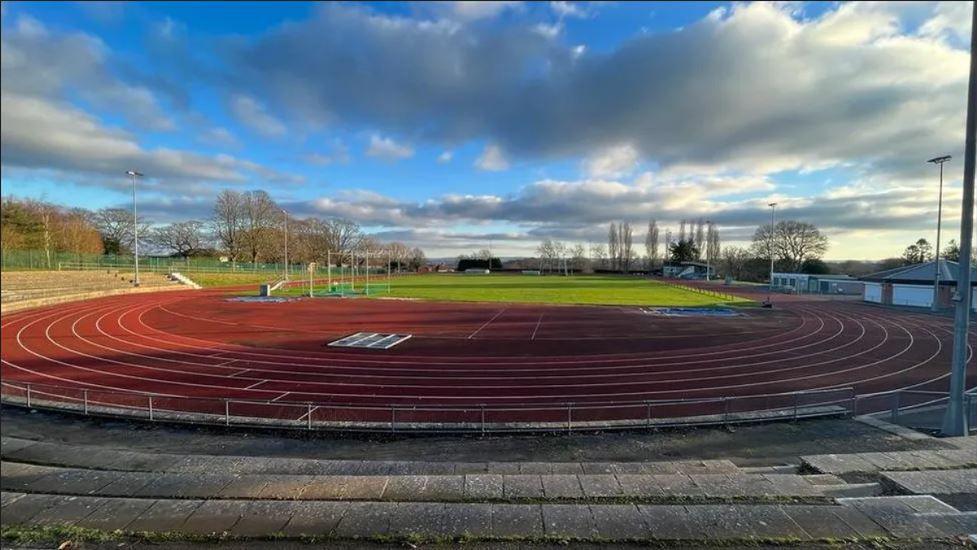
(244, 226)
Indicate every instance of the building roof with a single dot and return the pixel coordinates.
(813, 275)
(921, 274)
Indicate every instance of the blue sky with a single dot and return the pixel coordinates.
(447, 125)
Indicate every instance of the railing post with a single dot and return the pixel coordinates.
(84, 394)
(648, 416)
(28, 396)
(227, 412)
(309, 417)
(569, 416)
(482, 408)
(150, 408)
(796, 396)
(895, 407)
(725, 410)
(393, 418)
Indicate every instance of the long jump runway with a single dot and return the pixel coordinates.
(194, 350)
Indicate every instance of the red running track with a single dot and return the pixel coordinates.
(187, 345)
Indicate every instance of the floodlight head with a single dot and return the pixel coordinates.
(771, 205)
(133, 173)
(940, 160)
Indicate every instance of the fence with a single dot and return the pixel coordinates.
(474, 418)
(725, 296)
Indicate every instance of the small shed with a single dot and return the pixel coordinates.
(806, 283)
(687, 270)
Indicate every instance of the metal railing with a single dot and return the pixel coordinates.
(473, 418)
(725, 296)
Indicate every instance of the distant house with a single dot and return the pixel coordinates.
(687, 270)
(805, 283)
(912, 285)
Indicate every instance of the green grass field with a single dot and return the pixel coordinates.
(578, 289)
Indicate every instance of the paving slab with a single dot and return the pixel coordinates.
(443, 488)
(116, 513)
(185, 486)
(10, 445)
(953, 525)
(332, 487)
(127, 484)
(720, 521)
(669, 522)
(771, 522)
(600, 485)
(483, 487)
(939, 482)
(164, 515)
(820, 522)
(365, 487)
(791, 485)
(404, 488)
(285, 487)
(678, 485)
(20, 511)
(8, 497)
(568, 521)
(517, 520)
(898, 518)
(214, 516)
(522, 486)
(640, 485)
(424, 519)
(467, 520)
(15, 476)
(365, 519)
(315, 518)
(561, 486)
(823, 479)
(67, 511)
(73, 482)
(263, 517)
(538, 468)
(838, 463)
(619, 522)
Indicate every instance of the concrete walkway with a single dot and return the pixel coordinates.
(857, 519)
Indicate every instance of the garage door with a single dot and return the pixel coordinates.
(912, 295)
(873, 292)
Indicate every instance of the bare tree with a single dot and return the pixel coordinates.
(712, 242)
(699, 238)
(578, 255)
(626, 247)
(598, 255)
(345, 237)
(735, 259)
(792, 241)
(115, 226)
(651, 244)
(228, 222)
(182, 238)
(261, 217)
(613, 245)
(417, 259)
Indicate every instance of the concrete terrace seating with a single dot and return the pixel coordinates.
(23, 286)
(55, 484)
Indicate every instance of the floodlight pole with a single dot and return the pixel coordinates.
(773, 230)
(135, 227)
(955, 420)
(285, 214)
(939, 221)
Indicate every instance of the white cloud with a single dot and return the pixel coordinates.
(484, 9)
(219, 137)
(445, 157)
(253, 114)
(338, 154)
(492, 159)
(388, 149)
(614, 162)
(549, 30)
(568, 9)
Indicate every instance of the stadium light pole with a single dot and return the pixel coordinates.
(955, 419)
(285, 214)
(773, 210)
(939, 221)
(135, 227)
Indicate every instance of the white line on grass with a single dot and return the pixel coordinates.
(472, 335)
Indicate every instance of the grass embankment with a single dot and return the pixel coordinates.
(233, 279)
(577, 289)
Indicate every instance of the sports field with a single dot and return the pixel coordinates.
(577, 289)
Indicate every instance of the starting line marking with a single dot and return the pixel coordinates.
(533, 337)
(259, 382)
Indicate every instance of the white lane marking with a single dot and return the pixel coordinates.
(533, 337)
(496, 316)
(281, 396)
(233, 374)
(258, 383)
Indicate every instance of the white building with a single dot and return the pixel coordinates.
(805, 283)
(912, 285)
